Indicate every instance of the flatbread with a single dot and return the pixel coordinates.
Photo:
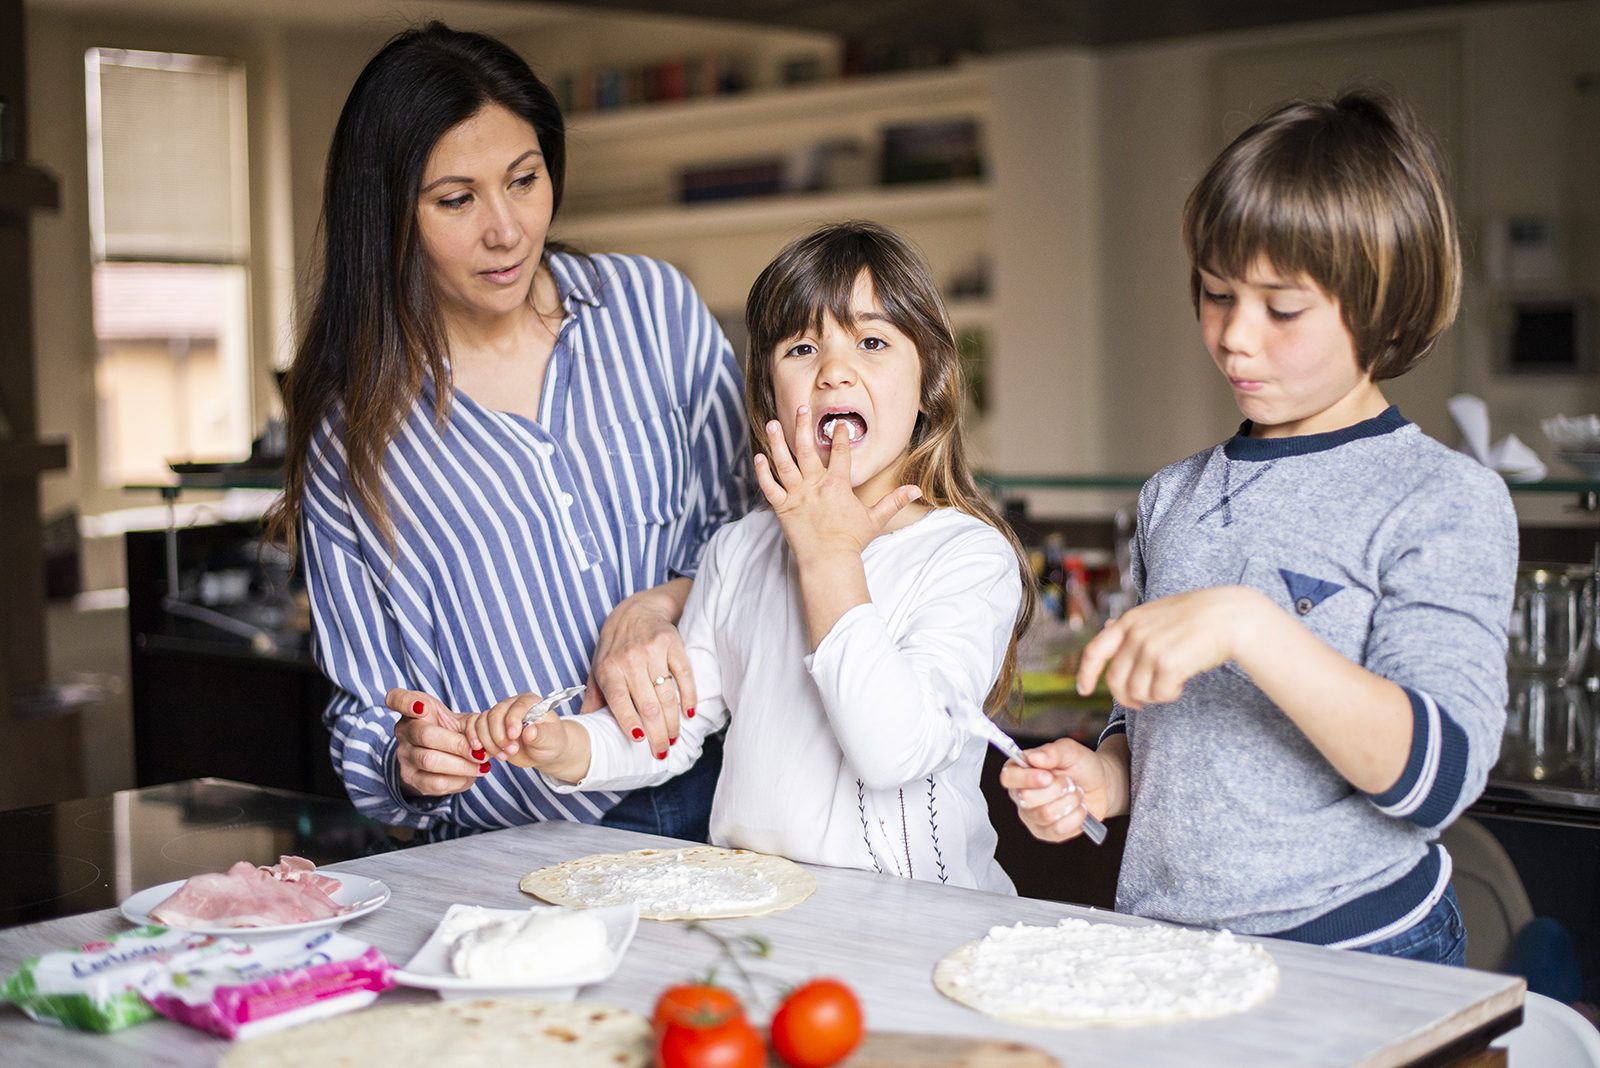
(693, 883)
(1081, 974)
(458, 1034)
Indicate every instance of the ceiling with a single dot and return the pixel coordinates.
(1006, 25)
(944, 25)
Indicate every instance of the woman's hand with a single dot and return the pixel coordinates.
(432, 750)
(815, 502)
(641, 669)
(1064, 782)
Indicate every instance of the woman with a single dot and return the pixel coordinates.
(503, 458)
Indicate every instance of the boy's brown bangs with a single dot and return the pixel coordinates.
(1277, 220)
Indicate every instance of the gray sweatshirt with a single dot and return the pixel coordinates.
(1400, 554)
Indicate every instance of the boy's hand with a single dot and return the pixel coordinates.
(1151, 651)
(500, 732)
(1064, 782)
(815, 502)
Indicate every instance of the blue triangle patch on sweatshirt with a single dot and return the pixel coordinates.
(1307, 591)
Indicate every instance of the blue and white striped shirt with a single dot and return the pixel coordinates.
(515, 539)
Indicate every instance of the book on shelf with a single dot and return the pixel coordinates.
(732, 181)
(939, 150)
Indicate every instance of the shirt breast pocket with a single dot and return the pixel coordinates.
(650, 458)
(1338, 613)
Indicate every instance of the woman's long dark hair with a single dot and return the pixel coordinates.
(373, 334)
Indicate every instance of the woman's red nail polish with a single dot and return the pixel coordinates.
(689, 712)
(661, 755)
(672, 741)
(484, 767)
(416, 708)
(479, 754)
(638, 732)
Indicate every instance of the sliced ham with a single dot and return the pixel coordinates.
(245, 895)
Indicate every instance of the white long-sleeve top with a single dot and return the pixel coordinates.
(847, 756)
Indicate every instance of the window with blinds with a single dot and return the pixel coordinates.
(169, 221)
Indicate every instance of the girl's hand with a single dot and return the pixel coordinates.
(432, 750)
(1064, 782)
(501, 733)
(640, 643)
(815, 502)
(1149, 652)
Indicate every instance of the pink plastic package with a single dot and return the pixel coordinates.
(241, 989)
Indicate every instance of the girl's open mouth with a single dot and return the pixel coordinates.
(853, 421)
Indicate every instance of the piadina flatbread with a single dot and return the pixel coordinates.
(1081, 974)
(459, 1034)
(693, 883)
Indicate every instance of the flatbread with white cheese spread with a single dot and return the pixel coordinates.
(693, 883)
(459, 1034)
(1081, 974)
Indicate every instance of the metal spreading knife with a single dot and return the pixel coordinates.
(985, 728)
(542, 709)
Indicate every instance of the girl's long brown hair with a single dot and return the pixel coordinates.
(813, 278)
(373, 334)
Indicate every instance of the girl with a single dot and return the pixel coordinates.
(834, 631)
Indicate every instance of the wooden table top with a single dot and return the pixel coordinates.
(882, 936)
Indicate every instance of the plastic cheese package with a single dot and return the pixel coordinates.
(95, 986)
(242, 989)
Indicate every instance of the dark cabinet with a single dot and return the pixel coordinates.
(239, 701)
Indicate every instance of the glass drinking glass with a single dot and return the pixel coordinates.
(1552, 618)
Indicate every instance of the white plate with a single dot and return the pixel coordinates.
(430, 967)
(352, 888)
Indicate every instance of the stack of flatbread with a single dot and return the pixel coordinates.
(459, 1034)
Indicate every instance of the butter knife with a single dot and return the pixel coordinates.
(542, 709)
(984, 727)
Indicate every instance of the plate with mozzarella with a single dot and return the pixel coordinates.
(549, 951)
(250, 900)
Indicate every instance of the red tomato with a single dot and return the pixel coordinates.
(734, 1044)
(817, 1025)
(695, 1005)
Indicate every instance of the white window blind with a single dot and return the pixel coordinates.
(171, 157)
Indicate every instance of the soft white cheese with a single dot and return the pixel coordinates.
(671, 887)
(545, 944)
(1105, 972)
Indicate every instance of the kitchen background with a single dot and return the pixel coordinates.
(1038, 153)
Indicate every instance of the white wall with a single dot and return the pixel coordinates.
(1529, 140)
(1097, 359)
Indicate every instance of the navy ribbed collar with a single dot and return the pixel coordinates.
(1244, 447)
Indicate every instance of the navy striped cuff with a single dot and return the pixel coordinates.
(1436, 769)
(1118, 725)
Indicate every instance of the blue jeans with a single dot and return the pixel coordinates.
(1438, 938)
(679, 807)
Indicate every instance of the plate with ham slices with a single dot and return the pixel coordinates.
(251, 899)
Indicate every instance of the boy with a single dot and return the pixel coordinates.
(1313, 685)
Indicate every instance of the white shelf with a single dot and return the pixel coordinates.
(955, 85)
(889, 204)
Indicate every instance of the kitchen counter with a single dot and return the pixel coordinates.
(879, 934)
